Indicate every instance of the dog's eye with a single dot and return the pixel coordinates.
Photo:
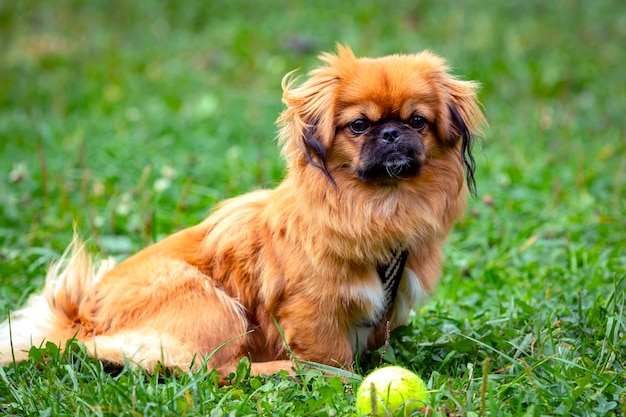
(359, 126)
(418, 122)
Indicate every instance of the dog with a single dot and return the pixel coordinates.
(378, 153)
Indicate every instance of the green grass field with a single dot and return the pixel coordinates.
(130, 120)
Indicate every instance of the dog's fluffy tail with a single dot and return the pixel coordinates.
(52, 315)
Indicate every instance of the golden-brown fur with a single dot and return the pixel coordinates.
(303, 255)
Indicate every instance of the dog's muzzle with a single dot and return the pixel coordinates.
(391, 152)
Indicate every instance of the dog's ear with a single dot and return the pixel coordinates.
(307, 125)
(460, 120)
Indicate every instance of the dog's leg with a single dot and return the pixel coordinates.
(142, 348)
(164, 311)
(319, 338)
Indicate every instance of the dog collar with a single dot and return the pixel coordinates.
(390, 276)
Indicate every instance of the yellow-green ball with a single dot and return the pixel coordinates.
(391, 389)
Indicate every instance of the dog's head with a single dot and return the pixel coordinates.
(379, 120)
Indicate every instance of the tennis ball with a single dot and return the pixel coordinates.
(389, 389)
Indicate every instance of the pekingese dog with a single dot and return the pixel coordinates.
(378, 152)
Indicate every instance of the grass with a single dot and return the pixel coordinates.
(131, 120)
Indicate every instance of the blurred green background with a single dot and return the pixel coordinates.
(99, 98)
(131, 119)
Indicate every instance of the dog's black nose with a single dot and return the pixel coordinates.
(389, 134)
